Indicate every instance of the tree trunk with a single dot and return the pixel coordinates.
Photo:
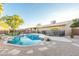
(72, 35)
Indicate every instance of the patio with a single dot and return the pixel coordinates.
(58, 46)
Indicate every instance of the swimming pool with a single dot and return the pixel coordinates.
(28, 39)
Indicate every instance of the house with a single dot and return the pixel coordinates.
(62, 28)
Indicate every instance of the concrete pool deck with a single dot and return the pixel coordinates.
(58, 46)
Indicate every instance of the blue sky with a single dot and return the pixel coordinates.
(42, 13)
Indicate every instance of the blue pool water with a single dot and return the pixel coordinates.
(28, 39)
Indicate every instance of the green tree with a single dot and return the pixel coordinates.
(1, 9)
(13, 21)
(73, 25)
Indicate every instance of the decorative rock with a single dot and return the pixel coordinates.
(46, 39)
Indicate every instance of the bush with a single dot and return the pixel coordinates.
(13, 33)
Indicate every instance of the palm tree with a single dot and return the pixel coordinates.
(1, 9)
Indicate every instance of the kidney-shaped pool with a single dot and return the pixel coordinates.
(26, 40)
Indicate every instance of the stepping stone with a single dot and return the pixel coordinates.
(49, 45)
(1, 49)
(75, 44)
(53, 43)
(29, 51)
(14, 52)
(4, 51)
(42, 49)
(47, 42)
(42, 44)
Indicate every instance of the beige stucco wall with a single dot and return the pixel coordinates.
(43, 29)
(68, 29)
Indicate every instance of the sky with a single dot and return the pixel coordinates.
(42, 13)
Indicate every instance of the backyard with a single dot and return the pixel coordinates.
(17, 39)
